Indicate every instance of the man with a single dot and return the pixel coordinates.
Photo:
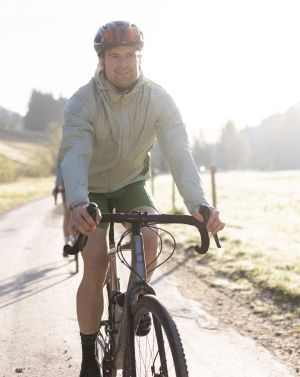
(109, 128)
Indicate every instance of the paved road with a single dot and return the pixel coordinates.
(39, 335)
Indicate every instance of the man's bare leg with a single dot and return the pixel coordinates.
(90, 299)
(90, 295)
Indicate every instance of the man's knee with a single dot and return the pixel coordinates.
(95, 258)
(150, 238)
(94, 274)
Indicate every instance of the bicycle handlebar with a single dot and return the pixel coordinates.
(144, 219)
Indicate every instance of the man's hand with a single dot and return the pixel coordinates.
(214, 224)
(81, 221)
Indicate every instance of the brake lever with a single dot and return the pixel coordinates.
(81, 239)
(205, 212)
(78, 245)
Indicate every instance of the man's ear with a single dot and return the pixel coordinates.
(140, 58)
(101, 61)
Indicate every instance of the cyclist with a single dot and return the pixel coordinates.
(59, 188)
(109, 128)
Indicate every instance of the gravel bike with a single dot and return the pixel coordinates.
(137, 336)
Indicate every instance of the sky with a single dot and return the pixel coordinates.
(220, 60)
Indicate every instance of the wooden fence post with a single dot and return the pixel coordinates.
(213, 185)
(173, 195)
(152, 181)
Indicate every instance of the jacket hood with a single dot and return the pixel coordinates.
(103, 86)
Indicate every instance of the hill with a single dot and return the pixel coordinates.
(21, 146)
(26, 154)
(10, 120)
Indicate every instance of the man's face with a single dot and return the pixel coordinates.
(122, 66)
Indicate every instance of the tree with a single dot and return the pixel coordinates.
(42, 110)
(231, 150)
(202, 152)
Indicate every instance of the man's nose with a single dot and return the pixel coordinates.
(124, 61)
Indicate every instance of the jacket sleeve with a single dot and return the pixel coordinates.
(173, 140)
(76, 148)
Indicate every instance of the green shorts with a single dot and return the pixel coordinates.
(125, 199)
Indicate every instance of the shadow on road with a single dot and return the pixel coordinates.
(190, 254)
(21, 286)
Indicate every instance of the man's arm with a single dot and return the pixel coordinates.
(173, 140)
(76, 149)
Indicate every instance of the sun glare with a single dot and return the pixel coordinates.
(219, 60)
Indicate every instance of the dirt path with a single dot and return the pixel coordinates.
(39, 335)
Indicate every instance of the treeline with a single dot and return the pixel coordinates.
(273, 145)
(41, 128)
(43, 110)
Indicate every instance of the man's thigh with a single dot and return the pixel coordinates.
(135, 197)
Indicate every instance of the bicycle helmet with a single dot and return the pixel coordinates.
(117, 33)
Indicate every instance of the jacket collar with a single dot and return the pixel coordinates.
(104, 86)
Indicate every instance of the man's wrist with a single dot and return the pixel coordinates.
(77, 204)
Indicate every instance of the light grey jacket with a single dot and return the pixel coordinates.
(107, 137)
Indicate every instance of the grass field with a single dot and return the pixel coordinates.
(26, 154)
(23, 190)
(261, 241)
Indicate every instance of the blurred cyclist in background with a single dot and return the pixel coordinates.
(59, 188)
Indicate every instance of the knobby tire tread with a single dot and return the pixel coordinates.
(149, 303)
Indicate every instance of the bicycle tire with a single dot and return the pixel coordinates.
(166, 356)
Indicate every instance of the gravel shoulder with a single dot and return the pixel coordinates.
(249, 311)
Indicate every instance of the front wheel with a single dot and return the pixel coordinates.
(160, 352)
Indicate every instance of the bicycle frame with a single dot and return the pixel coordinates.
(137, 285)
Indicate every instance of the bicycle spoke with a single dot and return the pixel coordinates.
(159, 353)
